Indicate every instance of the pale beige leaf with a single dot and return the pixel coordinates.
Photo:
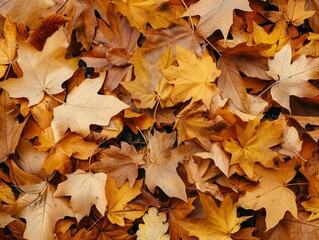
(216, 14)
(291, 146)
(154, 227)
(27, 11)
(218, 156)
(84, 107)
(31, 160)
(272, 194)
(86, 190)
(43, 72)
(41, 211)
(292, 78)
(162, 161)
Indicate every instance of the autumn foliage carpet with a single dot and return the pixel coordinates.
(159, 119)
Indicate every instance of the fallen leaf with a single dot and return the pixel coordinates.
(118, 199)
(154, 227)
(84, 107)
(70, 145)
(121, 163)
(291, 146)
(43, 72)
(201, 173)
(211, 12)
(292, 78)
(8, 45)
(219, 222)
(6, 193)
(193, 78)
(254, 144)
(162, 161)
(10, 128)
(86, 190)
(28, 12)
(138, 13)
(41, 210)
(272, 194)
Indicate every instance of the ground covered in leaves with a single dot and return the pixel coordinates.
(159, 119)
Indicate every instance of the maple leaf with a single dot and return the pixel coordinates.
(83, 20)
(272, 193)
(118, 199)
(48, 27)
(211, 11)
(157, 41)
(121, 163)
(43, 72)
(277, 38)
(193, 77)
(6, 193)
(254, 144)
(85, 189)
(219, 157)
(294, 11)
(312, 206)
(161, 164)
(41, 211)
(8, 45)
(199, 173)
(84, 107)
(10, 128)
(60, 153)
(37, 205)
(154, 226)
(149, 85)
(28, 12)
(314, 19)
(179, 209)
(191, 123)
(138, 13)
(31, 160)
(219, 222)
(292, 78)
(233, 61)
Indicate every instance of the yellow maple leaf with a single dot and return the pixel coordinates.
(277, 38)
(141, 12)
(254, 143)
(118, 201)
(193, 78)
(150, 85)
(219, 222)
(60, 153)
(191, 123)
(272, 193)
(294, 11)
(8, 45)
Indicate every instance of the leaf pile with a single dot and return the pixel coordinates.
(169, 119)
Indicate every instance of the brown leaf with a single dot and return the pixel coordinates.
(121, 163)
